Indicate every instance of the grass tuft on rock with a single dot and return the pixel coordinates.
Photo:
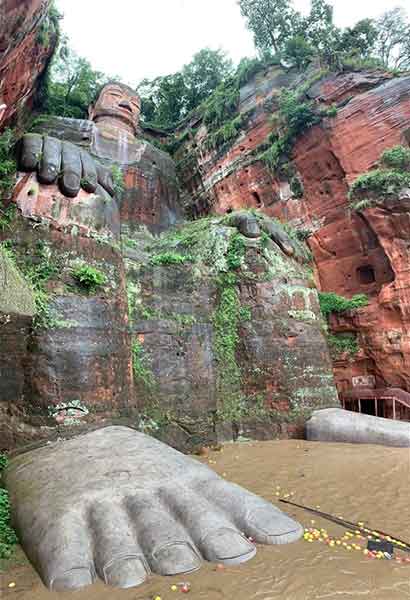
(333, 303)
(387, 181)
(89, 278)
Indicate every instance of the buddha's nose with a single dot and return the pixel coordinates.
(125, 104)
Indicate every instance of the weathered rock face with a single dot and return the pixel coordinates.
(27, 40)
(231, 350)
(204, 333)
(74, 358)
(76, 355)
(353, 252)
(17, 309)
(200, 335)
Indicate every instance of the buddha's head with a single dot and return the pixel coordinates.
(117, 101)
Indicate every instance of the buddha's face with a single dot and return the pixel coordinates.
(117, 102)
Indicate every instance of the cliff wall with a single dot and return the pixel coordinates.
(202, 331)
(27, 40)
(354, 252)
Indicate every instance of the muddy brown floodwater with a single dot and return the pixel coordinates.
(360, 483)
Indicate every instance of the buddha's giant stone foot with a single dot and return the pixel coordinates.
(337, 425)
(119, 504)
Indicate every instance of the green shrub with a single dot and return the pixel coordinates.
(142, 373)
(342, 343)
(7, 216)
(170, 258)
(89, 278)
(296, 186)
(397, 158)
(118, 180)
(333, 303)
(295, 116)
(8, 538)
(3, 462)
(331, 111)
(249, 67)
(227, 133)
(38, 274)
(8, 165)
(379, 183)
(276, 154)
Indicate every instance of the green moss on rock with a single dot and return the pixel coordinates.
(16, 295)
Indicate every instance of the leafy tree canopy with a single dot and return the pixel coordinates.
(279, 29)
(166, 100)
(70, 85)
(393, 39)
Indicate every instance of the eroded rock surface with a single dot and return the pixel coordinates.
(353, 252)
(203, 333)
(27, 41)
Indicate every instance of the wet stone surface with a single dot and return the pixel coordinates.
(344, 480)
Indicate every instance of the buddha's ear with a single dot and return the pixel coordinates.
(91, 111)
(3, 108)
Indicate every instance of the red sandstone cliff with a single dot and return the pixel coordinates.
(353, 253)
(27, 40)
(87, 358)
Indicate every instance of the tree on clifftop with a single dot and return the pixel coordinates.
(167, 99)
(273, 23)
(360, 39)
(278, 28)
(393, 39)
(203, 74)
(70, 85)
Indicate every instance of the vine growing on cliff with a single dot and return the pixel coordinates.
(8, 538)
(142, 373)
(226, 321)
(8, 166)
(342, 343)
(295, 115)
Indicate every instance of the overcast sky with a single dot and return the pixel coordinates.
(146, 38)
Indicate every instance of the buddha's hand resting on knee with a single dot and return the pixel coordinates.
(64, 163)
